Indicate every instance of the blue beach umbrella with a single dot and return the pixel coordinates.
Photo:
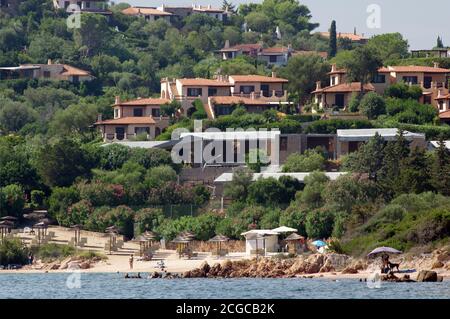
(319, 243)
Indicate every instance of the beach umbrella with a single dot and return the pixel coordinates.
(385, 250)
(187, 234)
(319, 243)
(149, 235)
(77, 229)
(219, 239)
(112, 231)
(294, 237)
(284, 229)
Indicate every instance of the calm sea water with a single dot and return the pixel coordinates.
(110, 286)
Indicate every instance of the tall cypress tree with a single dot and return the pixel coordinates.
(332, 51)
(439, 44)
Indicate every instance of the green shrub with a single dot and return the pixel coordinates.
(12, 200)
(331, 126)
(12, 251)
(50, 252)
(148, 219)
(310, 161)
(319, 224)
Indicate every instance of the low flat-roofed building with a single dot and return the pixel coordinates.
(349, 141)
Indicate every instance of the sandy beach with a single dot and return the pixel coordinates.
(118, 261)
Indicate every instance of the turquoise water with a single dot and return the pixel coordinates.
(110, 286)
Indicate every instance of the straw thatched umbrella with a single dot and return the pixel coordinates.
(5, 228)
(142, 244)
(112, 231)
(150, 236)
(42, 230)
(182, 243)
(77, 229)
(219, 239)
(292, 240)
(187, 234)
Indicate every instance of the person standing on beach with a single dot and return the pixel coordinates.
(30, 258)
(131, 261)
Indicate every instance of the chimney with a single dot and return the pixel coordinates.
(289, 47)
(163, 8)
(318, 85)
(333, 67)
(227, 44)
(274, 74)
(436, 65)
(209, 6)
(440, 94)
(99, 118)
(49, 61)
(117, 101)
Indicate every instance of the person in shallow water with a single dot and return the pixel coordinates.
(130, 260)
(127, 276)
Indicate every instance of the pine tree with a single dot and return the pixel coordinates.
(415, 175)
(332, 51)
(441, 168)
(394, 162)
(228, 5)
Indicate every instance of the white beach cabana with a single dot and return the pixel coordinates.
(260, 239)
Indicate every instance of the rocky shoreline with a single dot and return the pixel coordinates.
(309, 267)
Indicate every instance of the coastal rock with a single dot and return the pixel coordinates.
(186, 274)
(156, 275)
(437, 264)
(350, 270)
(327, 267)
(427, 276)
(204, 268)
(54, 266)
(314, 263)
(215, 270)
(85, 265)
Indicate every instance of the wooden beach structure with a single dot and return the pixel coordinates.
(5, 228)
(219, 239)
(295, 243)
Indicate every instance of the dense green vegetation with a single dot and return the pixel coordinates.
(50, 157)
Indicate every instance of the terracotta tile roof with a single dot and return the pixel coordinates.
(128, 120)
(275, 50)
(445, 115)
(346, 88)
(70, 70)
(230, 100)
(147, 101)
(341, 35)
(257, 78)
(413, 69)
(145, 11)
(203, 82)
